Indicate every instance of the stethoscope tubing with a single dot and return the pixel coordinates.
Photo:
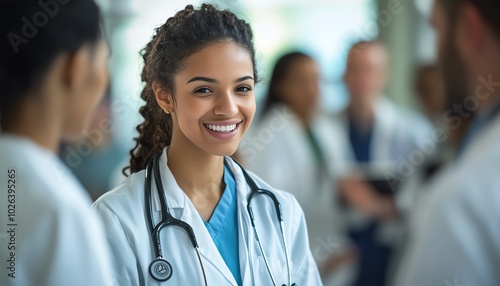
(153, 170)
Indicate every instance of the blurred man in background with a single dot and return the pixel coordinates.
(377, 129)
(379, 135)
(454, 228)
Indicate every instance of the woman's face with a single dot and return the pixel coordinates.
(214, 99)
(300, 88)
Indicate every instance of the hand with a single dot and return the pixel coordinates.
(363, 197)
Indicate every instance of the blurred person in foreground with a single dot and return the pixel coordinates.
(294, 147)
(52, 76)
(381, 137)
(454, 228)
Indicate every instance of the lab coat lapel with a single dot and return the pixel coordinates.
(349, 156)
(208, 249)
(176, 198)
(383, 132)
(244, 237)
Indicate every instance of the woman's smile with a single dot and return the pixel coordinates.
(223, 130)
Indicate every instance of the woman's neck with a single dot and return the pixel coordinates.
(30, 120)
(198, 174)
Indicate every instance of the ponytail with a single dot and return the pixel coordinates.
(154, 133)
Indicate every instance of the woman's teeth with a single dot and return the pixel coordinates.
(221, 128)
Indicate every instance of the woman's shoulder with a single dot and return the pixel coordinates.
(125, 197)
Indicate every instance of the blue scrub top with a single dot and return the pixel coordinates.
(223, 226)
(361, 142)
(374, 263)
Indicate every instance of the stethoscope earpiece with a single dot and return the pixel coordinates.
(160, 270)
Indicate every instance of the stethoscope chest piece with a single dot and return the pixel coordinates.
(160, 270)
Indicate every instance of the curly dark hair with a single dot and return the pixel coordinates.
(189, 31)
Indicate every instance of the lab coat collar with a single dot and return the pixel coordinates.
(245, 238)
(176, 198)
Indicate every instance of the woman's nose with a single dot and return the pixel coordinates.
(226, 105)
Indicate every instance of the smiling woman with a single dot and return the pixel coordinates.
(199, 74)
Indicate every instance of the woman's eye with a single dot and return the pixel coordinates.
(203, 90)
(243, 89)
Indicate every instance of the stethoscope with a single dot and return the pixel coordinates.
(160, 269)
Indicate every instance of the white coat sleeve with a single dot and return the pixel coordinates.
(305, 270)
(125, 270)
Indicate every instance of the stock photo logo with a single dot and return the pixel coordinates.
(30, 25)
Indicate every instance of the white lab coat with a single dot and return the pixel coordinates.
(58, 241)
(124, 215)
(454, 229)
(278, 150)
(397, 134)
